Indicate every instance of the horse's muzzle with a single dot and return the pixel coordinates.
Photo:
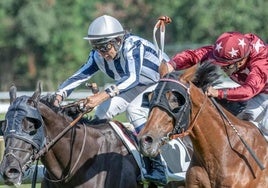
(11, 172)
(149, 146)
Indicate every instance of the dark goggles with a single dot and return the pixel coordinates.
(231, 66)
(228, 67)
(103, 47)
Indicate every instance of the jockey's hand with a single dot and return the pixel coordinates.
(94, 100)
(56, 100)
(211, 92)
(164, 69)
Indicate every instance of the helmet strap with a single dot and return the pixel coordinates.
(117, 43)
(236, 67)
(241, 63)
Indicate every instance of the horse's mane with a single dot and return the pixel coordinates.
(48, 101)
(207, 74)
(70, 112)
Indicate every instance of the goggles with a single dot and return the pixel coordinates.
(232, 66)
(103, 47)
(228, 67)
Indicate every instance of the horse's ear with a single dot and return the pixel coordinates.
(189, 74)
(2, 126)
(12, 93)
(36, 96)
(146, 98)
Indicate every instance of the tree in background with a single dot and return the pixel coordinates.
(43, 39)
(26, 29)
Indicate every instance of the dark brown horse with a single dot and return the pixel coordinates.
(86, 156)
(228, 152)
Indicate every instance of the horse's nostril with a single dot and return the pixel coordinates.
(148, 139)
(12, 173)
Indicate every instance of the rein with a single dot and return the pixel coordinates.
(252, 153)
(171, 135)
(162, 21)
(57, 138)
(74, 166)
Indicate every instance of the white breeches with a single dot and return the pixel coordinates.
(136, 114)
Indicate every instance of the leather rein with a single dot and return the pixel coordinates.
(52, 142)
(175, 132)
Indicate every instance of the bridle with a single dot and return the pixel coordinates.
(179, 126)
(52, 142)
(182, 125)
(19, 110)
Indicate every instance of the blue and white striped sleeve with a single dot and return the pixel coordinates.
(85, 72)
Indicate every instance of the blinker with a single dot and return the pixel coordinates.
(18, 111)
(173, 97)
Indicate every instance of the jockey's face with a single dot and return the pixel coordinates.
(106, 50)
(233, 68)
(109, 55)
(230, 69)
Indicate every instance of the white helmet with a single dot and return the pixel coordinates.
(103, 29)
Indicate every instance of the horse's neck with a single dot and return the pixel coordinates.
(54, 124)
(212, 132)
(85, 141)
(209, 128)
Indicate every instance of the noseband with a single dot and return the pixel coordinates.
(17, 112)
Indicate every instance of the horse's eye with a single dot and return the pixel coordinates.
(180, 98)
(175, 101)
(29, 126)
(2, 127)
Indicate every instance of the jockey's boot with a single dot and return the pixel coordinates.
(157, 173)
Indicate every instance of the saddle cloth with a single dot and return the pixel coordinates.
(174, 155)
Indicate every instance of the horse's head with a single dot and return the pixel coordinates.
(170, 107)
(23, 135)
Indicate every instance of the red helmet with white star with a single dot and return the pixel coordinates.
(230, 47)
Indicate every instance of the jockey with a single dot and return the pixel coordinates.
(244, 58)
(129, 60)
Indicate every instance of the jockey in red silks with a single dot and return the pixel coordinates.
(244, 58)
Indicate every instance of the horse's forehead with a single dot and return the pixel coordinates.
(17, 112)
(20, 109)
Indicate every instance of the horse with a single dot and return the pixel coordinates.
(227, 151)
(74, 153)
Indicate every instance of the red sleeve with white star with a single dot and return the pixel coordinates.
(189, 58)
